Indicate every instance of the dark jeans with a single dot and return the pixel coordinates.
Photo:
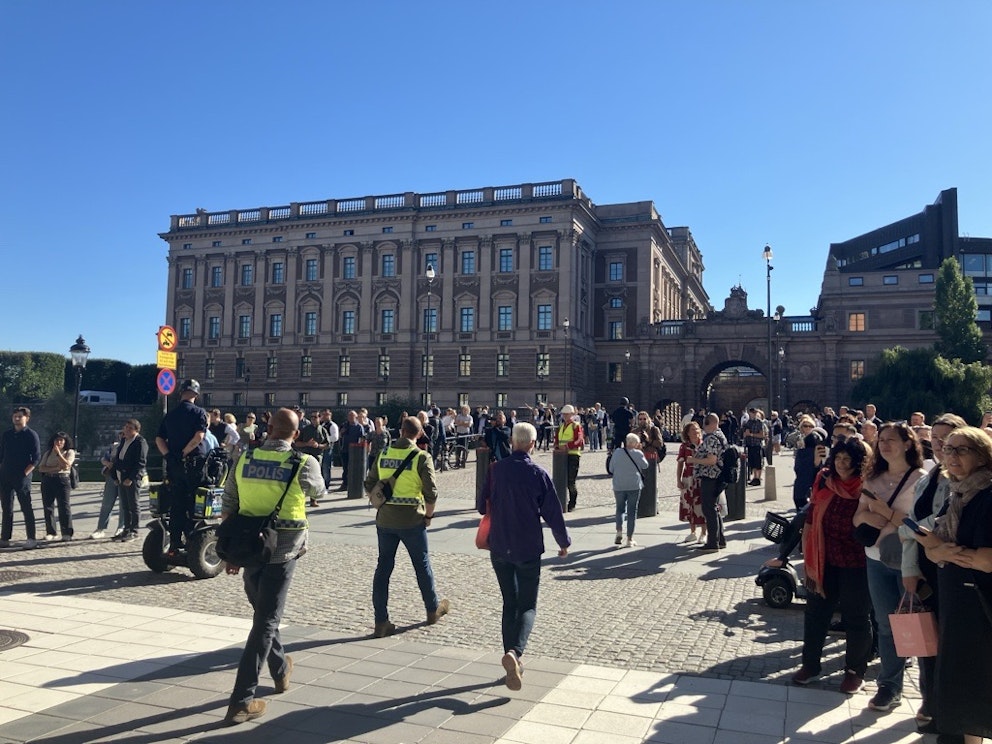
(129, 506)
(55, 491)
(518, 583)
(573, 473)
(183, 492)
(344, 466)
(709, 490)
(266, 587)
(414, 539)
(21, 486)
(847, 589)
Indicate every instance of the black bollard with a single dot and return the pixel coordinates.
(735, 492)
(559, 475)
(481, 467)
(358, 468)
(647, 504)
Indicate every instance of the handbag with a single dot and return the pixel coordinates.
(74, 476)
(867, 534)
(382, 491)
(243, 540)
(914, 629)
(482, 534)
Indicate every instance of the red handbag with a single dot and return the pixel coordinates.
(482, 534)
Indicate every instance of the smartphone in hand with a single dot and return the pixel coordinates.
(915, 527)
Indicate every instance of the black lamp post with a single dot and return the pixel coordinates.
(542, 374)
(247, 383)
(384, 374)
(427, 338)
(80, 353)
(564, 391)
(767, 255)
(781, 379)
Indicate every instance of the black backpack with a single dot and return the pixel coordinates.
(730, 465)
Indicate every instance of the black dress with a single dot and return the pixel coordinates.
(964, 656)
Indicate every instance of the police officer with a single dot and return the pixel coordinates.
(261, 477)
(181, 441)
(404, 519)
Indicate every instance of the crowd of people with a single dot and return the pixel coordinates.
(889, 510)
(896, 513)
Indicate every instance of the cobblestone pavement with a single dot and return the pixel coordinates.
(656, 607)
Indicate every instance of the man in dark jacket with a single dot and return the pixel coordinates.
(20, 452)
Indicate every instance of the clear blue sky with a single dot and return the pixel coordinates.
(792, 123)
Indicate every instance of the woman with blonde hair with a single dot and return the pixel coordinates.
(961, 546)
(690, 497)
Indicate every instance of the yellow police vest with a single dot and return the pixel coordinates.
(566, 433)
(408, 490)
(261, 476)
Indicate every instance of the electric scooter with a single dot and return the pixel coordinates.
(199, 554)
(779, 585)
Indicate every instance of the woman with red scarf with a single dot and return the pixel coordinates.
(836, 574)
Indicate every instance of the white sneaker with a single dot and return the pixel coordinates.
(690, 538)
(619, 538)
(29, 544)
(631, 543)
(98, 535)
(50, 538)
(120, 531)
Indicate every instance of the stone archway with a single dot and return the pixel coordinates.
(734, 385)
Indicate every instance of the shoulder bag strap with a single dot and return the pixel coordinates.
(403, 465)
(899, 487)
(630, 458)
(297, 464)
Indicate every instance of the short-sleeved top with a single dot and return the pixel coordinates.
(181, 424)
(714, 443)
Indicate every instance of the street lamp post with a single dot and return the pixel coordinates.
(384, 373)
(564, 391)
(80, 353)
(427, 338)
(767, 255)
(781, 379)
(247, 383)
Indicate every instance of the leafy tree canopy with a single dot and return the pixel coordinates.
(29, 375)
(923, 380)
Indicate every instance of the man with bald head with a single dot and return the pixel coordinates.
(260, 478)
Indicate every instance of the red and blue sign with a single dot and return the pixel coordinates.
(166, 381)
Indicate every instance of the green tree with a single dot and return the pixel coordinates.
(923, 380)
(955, 308)
(30, 375)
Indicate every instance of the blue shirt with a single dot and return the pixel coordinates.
(518, 494)
(18, 449)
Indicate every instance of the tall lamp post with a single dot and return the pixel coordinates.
(384, 374)
(564, 391)
(427, 337)
(80, 353)
(767, 255)
(781, 380)
(542, 374)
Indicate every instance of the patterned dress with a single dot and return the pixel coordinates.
(690, 501)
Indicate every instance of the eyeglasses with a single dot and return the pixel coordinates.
(805, 426)
(957, 451)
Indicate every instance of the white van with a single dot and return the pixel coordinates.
(98, 397)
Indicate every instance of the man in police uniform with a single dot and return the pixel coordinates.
(181, 440)
(404, 519)
(259, 480)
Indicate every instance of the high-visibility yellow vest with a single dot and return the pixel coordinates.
(261, 476)
(408, 490)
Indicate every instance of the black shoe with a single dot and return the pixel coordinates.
(722, 545)
(885, 700)
(129, 537)
(837, 626)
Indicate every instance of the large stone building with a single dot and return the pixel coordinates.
(332, 302)
(537, 293)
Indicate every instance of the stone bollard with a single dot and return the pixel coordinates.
(358, 468)
(559, 476)
(770, 493)
(647, 504)
(481, 467)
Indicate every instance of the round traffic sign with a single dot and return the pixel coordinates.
(167, 338)
(166, 381)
